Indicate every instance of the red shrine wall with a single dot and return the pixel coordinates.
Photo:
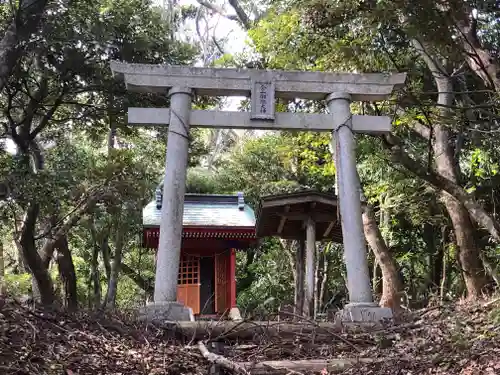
(189, 278)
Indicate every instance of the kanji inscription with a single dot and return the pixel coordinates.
(263, 100)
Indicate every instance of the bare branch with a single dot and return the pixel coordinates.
(242, 16)
(217, 9)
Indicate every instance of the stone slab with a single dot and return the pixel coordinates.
(320, 122)
(166, 312)
(364, 313)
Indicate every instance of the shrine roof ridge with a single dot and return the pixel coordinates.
(211, 198)
(207, 210)
(238, 81)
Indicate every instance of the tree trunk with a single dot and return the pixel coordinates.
(491, 269)
(44, 285)
(288, 247)
(444, 158)
(390, 281)
(22, 26)
(476, 210)
(377, 278)
(468, 254)
(68, 273)
(324, 278)
(481, 61)
(316, 281)
(95, 280)
(106, 256)
(444, 268)
(435, 256)
(110, 301)
(2, 270)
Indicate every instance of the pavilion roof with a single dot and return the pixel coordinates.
(207, 210)
(283, 215)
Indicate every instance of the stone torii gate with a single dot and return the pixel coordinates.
(263, 86)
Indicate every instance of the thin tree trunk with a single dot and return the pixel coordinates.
(300, 280)
(430, 244)
(316, 282)
(444, 268)
(94, 280)
(106, 256)
(324, 279)
(377, 278)
(110, 301)
(390, 282)
(491, 269)
(2, 270)
(288, 247)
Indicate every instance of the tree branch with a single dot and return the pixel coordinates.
(217, 9)
(141, 282)
(71, 221)
(242, 16)
(477, 212)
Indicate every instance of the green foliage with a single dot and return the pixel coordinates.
(272, 286)
(18, 284)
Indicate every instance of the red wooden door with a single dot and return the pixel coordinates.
(188, 284)
(221, 268)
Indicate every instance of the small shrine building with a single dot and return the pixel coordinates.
(214, 228)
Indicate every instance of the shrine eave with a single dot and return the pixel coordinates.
(284, 215)
(210, 232)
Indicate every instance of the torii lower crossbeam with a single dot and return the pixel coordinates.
(242, 120)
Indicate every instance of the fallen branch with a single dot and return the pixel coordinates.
(492, 302)
(217, 359)
(303, 366)
(204, 330)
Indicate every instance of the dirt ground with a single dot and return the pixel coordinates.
(454, 339)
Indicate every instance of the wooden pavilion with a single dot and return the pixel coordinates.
(214, 228)
(306, 216)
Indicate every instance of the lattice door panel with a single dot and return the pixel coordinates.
(188, 282)
(189, 270)
(221, 273)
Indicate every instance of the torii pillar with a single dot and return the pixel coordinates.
(263, 86)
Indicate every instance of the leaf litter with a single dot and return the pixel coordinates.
(39, 342)
(455, 339)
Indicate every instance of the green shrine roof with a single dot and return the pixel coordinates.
(204, 210)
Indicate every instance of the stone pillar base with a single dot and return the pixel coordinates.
(234, 314)
(165, 312)
(364, 313)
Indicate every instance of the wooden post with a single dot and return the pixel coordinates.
(232, 278)
(310, 253)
